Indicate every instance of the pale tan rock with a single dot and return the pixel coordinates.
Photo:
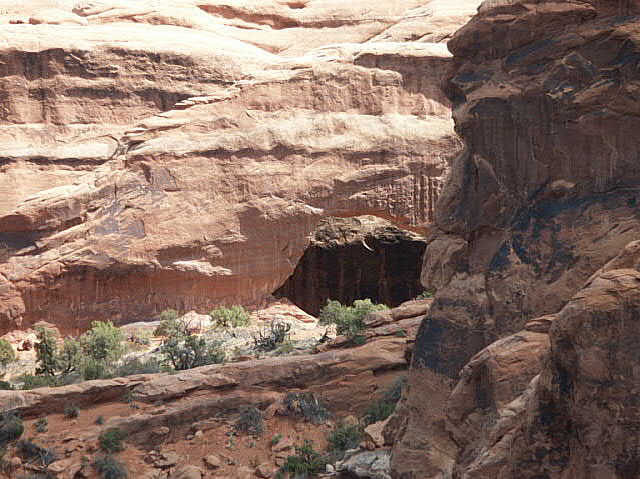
(245, 472)
(212, 461)
(284, 445)
(344, 129)
(187, 472)
(56, 17)
(167, 460)
(160, 433)
(265, 471)
(374, 433)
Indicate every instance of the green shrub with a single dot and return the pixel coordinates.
(344, 437)
(46, 351)
(108, 467)
(172, 326)
(250, 421)
(42, 425)
(112, 440)
(7, 354)
(6, 386)
(306, 405)
(66, 379)
(70, 357)
(168, 315)
(349, 320)
(136, 365)
(285, 349)
(103, 342)
(233, 317)
(270, 338)
(92, 368)
(30, 451)
(99, 420)
(71, 412)
(424, 295)
(11, 428)
(29, 381)
(306, 462)
(192, 352)
(276, 439)
(384, 407)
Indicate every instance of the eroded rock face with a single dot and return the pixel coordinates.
(578, 416)
(543, 196)
(180, 155)
(357, 258)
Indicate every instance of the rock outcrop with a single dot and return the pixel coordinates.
(356, 258)
(189, 419)
(543, 196)
(180, 155)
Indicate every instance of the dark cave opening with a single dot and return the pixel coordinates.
(356, 258)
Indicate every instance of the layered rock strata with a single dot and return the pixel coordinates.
(180, 155)
(544, 195)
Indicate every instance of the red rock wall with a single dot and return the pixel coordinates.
(545, 193)
(160, 156)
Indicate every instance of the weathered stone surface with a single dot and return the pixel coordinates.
(212, 462)
(143, 169)
(543, 196)
(375, 433)
(187, 472)
(581, 420)
(235, 385)
(366, 464)
(266, 471)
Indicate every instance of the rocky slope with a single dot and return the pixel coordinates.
(544, 195)
(185, 420)
(179, 154)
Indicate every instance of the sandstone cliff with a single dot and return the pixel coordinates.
(543, 196)
(179, 154)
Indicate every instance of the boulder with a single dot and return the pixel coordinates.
(367, 464)
(187, 472)
(212, 462)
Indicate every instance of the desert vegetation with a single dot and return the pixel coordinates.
(349, 320)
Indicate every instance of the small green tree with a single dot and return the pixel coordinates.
(112, 440)
(172, 328)
(7, 354)
(103, 342)
(70, 356)
(192, 352)
(385, 405)
(349, 320)
(168, 314)
(251, 421)
(344, 437)
(11, 428)
(108, 467)
(46, 351)
(171, 325)
(306, 462)
(233, 317)
(91, 368)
